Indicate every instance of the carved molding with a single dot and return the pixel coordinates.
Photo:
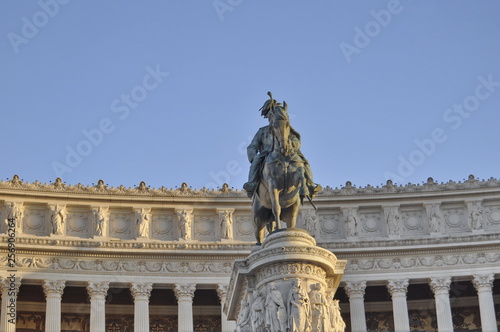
(143, 190)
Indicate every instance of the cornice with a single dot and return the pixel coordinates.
(142, 192)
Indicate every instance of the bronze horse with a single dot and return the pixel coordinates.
(278, 196)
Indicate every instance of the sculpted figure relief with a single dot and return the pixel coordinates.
(185, 221)
(56, 220)
(258, 312)
(280, 176)
(393, 221)
(320, 321)
(226, 225)
(476, 216)
(141, 220)
(299, 309)
(244, 323)
(13, 212)
(100, 218)
(336, 321)
(310, 221)
(351, 223)
(434, 218)
(276, 318)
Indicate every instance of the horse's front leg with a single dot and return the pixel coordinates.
(275, 201)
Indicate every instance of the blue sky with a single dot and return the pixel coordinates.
(168, 91)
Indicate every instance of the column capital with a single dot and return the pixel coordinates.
(10, 284)
(141, 289)
(440, 284)
(483, 281)
(184, 291)
(397, 286)
(53, 287)
(97, 288)
(355, 288)
(222, 292)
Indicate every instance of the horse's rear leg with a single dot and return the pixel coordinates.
(275, 200)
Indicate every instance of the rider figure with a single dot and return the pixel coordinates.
(262, 145)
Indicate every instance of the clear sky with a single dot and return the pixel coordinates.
(169, 91)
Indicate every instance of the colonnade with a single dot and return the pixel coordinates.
(440, 287)
(97, 291)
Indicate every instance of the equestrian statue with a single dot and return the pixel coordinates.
(280, 176)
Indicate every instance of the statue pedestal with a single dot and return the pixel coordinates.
(287, 258)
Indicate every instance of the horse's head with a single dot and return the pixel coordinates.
(280, 127)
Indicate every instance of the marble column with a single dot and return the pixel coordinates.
(53, 290)
(97, 292)
(356, 293)
(185, 295)
(226, 326)
(441, 289)
(141, 294)
(10, 289)
(397, 289)
(484, 285)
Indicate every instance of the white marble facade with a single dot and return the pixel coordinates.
(389, 235)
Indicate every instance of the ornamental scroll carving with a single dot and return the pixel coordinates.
(285, 269)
